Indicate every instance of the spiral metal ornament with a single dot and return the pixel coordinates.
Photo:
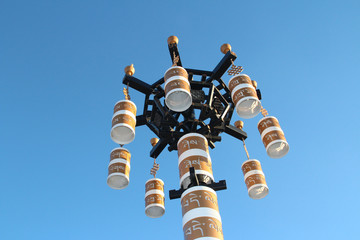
(264, 112)
(155, 168)
(176, 60)
(126, 92)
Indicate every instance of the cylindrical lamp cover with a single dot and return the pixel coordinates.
(244, 96)
(273, 137)
(154, 198)
(254, 179)
(119, 168)
(123, 127)
(177, 89)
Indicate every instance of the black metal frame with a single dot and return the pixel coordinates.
(216, 107)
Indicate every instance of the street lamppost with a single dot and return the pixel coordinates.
(188, 113)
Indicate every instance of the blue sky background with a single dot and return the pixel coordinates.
(61, 68)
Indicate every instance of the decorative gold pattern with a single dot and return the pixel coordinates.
(234, 70)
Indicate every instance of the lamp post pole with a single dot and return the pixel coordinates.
(189, 114)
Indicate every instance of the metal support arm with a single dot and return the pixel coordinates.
(223, 65)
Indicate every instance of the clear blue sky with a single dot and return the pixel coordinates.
(61, 66)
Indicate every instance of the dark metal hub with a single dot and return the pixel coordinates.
(210, 113)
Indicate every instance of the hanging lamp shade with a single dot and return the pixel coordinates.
(244, 96)
(123, 122)
(273, 137)
(177, 89)
(119, 168)
(254, 179)
(193, 152)
(154, 198)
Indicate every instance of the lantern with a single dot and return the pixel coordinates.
(119, 168)
(154, 198)
(244, 96)
(177, 89)
(123, 122)
(254, 179)
(273, 137)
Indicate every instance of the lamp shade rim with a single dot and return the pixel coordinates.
(191, 134)
(160, 206)
(119, 160)
(122, 141)
(129, 101)
(172, 67)
(120, 148)
(283, 153)
(253, 172)
(240, 86)
(124, 112)
(118, 174)
(184, 106)
(197, 188)
(269, 129)
(260, 196)
(249, 115)
(154, 179)
(154, 191)
(179, 78)
(237, 75)
(266, 117)
(249, 160)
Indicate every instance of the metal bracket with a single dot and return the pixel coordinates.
(193, 178)
(216, 186)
